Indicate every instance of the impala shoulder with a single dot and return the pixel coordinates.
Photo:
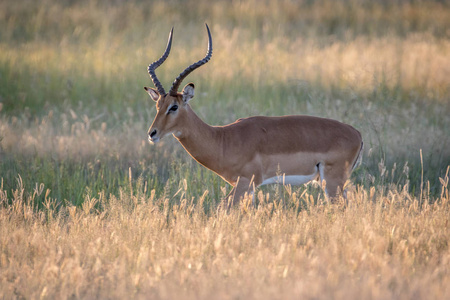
(248, 119)
(262, 124)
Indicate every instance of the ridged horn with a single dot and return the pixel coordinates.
(188, 70)
(156, 64)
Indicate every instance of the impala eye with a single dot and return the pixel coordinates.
(172, 109)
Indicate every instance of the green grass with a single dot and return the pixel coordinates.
(74, 115)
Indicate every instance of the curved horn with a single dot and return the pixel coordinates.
(154, 65)
(188, 70)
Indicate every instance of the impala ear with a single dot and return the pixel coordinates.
(188, 92)
(154, 94)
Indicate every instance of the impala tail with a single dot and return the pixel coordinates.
(358, 160)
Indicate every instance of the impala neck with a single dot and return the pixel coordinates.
(200, 140)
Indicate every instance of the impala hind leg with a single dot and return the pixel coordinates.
(335, 177)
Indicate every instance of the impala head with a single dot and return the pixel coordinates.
(172, 107)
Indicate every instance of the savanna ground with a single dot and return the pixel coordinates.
(88, 209)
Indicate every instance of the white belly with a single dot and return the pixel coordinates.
(290, 179)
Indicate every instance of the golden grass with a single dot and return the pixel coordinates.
(73, 121)
(131, 246)
(418, 63)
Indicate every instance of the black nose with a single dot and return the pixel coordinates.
(152, 134)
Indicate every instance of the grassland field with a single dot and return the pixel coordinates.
(89, 209)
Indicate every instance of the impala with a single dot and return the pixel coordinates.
(257, 150)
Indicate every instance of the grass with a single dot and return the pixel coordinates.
(90, 209)
(131, 245)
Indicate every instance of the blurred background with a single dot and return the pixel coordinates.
(74, 115)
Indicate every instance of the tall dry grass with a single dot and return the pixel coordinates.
(89, 210)
(134, 246)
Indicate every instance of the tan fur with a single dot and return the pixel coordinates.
(251, 150)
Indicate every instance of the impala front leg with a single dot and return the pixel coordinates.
(242, 186)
